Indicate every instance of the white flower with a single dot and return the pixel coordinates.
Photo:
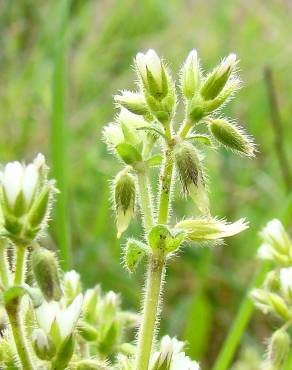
(286, 282)
(182, 362)
(65, 317)
(151, 62)
(131, 120)
(18, 178)
(113, 134)
(168, 348)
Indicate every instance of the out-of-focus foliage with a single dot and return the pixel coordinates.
(204, 287)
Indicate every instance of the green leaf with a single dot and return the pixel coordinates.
(155, 160)
(201, 138)
(128, 153)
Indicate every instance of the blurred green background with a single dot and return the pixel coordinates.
(204, 287)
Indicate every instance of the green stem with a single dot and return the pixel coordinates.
(244, 314)
(155, 274)
(188, 124)
(4, 270)
(145, 199)
(165, 190)
(19, 337)
(20, 265)
(59, 135)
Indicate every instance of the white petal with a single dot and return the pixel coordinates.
(154, 64)
(141, 64)
(68, 318)
(12, 180)
(39, 161)
(46, 314)
(30, 180)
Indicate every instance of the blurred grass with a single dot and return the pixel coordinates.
(204, 288)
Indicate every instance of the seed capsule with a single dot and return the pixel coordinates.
(124, 199)
(45, 270)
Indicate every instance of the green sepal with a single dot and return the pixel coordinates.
(87, 331)
(153, 128)
(19, 205)
(128, 153)
(39, 207)
(135, 251)
(64, 354)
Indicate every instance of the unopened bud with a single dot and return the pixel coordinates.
(191, 75)
(279, 306)
(72, 286)
(218, 78)
(279, 348)
(286, 283)
(45, 270)
(113, 134)
(152, 73)
(231, 136)
(124, 198)
(43, 345)
(91, 299)
(134, 253)
(133, 102)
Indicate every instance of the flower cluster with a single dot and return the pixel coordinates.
(144, 135)
(276, 294)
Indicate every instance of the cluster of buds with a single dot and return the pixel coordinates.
(276, 294)
(25, 197)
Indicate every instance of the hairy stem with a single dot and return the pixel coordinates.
(19, 336)
(145, 199)
(155, 276)
(20, 265)
(188, 124)
(4, 270)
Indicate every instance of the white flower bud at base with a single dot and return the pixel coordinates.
(191, 75)
(43, 346)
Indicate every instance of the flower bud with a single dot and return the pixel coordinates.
(152, 73)
(209, 229)
(124, 199)
(231, 136)
(133, 102)
(43, 345)
(129, 123)
(134, 253)
(217, 79)
(72, 286)
(278, 349)
(191, 75)
(113, 134)
(272, 282)
(91, 300)
(279, 306)
(45, 270)
(275, 237)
